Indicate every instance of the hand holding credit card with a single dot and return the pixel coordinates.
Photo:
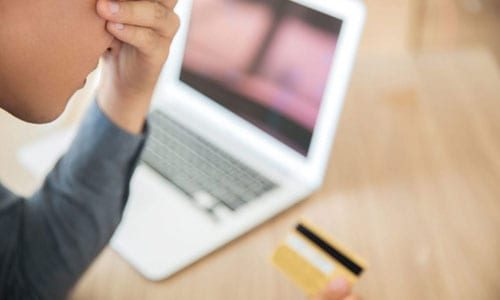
(311, 259)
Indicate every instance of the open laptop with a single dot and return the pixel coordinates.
(242, 124)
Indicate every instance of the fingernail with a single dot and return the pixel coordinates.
(118, 26)
(114, 7)
(339, 285)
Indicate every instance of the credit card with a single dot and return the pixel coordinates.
(311, 259)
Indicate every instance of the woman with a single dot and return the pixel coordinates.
(47, 48)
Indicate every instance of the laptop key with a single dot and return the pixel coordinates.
(194, 165)
(221, 212)
(204, 199)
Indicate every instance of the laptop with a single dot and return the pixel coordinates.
(242, 123)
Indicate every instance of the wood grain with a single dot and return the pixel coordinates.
(413, 187)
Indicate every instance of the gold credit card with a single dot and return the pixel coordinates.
(311, 259)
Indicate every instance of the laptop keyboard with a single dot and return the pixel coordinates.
(208, 175)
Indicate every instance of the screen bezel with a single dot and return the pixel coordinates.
(311, 167)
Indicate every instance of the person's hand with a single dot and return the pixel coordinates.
(338, 289)
(143, 32)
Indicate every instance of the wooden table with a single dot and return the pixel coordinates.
(413, 187)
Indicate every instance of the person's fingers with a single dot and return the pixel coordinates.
(169, 3)
(352, 297)
(144, 39)
(336, 290)
(148, 14)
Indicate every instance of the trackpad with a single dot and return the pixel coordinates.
(159, 222)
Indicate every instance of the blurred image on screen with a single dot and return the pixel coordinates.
(267, 61)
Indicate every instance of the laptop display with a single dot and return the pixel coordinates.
(266, 61)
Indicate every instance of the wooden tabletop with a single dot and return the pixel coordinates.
(413, 187)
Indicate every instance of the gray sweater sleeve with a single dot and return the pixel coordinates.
(49, 240)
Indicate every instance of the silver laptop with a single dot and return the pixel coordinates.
(242, 124)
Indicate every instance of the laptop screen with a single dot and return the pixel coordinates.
(266, 61)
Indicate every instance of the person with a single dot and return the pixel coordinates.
(47, 48)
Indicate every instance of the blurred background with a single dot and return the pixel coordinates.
(393, 27)
(413, 182)
(431, 25)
